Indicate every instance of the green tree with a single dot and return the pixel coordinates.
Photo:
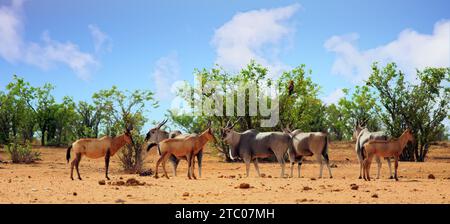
(16, 115)
(359, 108)
(122, 109)
(421, 106)
(301, 109)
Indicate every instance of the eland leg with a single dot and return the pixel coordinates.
(77, 165)
(255, 162)
(377, 158)
(175, 163)
(396, 168)
(390, 168)
(107, 156)
(247, 168)
(188, 158)
(319, 159)
(199, 159)
(327, 162)
(193, 167)
(300, 166)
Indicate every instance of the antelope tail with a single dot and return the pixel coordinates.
(325, 150)
(68, 153)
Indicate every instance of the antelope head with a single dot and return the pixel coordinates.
(156, 134)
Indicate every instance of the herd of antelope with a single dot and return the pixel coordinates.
(249, 146)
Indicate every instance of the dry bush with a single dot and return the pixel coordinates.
(22, 153)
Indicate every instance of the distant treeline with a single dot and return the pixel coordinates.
(386, 102)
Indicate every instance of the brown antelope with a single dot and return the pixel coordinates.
(186, 147)
(157, 135)
(96, 148)
(390, 148)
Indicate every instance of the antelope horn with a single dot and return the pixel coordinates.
(236, 122)
(289, 128)
(228, 124)
(161, 123)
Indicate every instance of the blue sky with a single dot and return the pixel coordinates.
(86, 45)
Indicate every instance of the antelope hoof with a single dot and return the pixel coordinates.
(167, 177)
(331, 177)
(107, 178)
(391, 177)
(71, 178)
(360, 177)
(396, 179)
(79, 178)
(156, 177)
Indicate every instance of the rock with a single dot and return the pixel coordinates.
(75, 194)
(269, 176)
(263, 175)
(306, 188)
(185, 194)
(120, 183)
(102, 182)
(374, 195)
(244, 186)
(132, 182)
(312, 178)
(148, 172)
(34, 190)
(431, 176)
(333, 165)
(354, 187)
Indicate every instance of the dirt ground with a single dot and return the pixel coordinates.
(47, 181)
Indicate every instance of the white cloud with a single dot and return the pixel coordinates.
(411, 50)
(334, 97)
(101, 40)
(46, 54)
(165, 74)
(256, 34)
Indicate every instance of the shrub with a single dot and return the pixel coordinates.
(130, 155)
(22, 153)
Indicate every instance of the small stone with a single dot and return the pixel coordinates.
(101, 182)
(244, 186)
(120, 201)
(431, 176)
(306, 188)
(374, 195)
(185, 194)
(75, 194)
(333, 165)
(354, 187)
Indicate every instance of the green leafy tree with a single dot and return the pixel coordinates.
(122, 109)
(421, 106)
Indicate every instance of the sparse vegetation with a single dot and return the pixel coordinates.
(22, 153)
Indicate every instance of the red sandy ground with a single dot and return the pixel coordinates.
(47, 181)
